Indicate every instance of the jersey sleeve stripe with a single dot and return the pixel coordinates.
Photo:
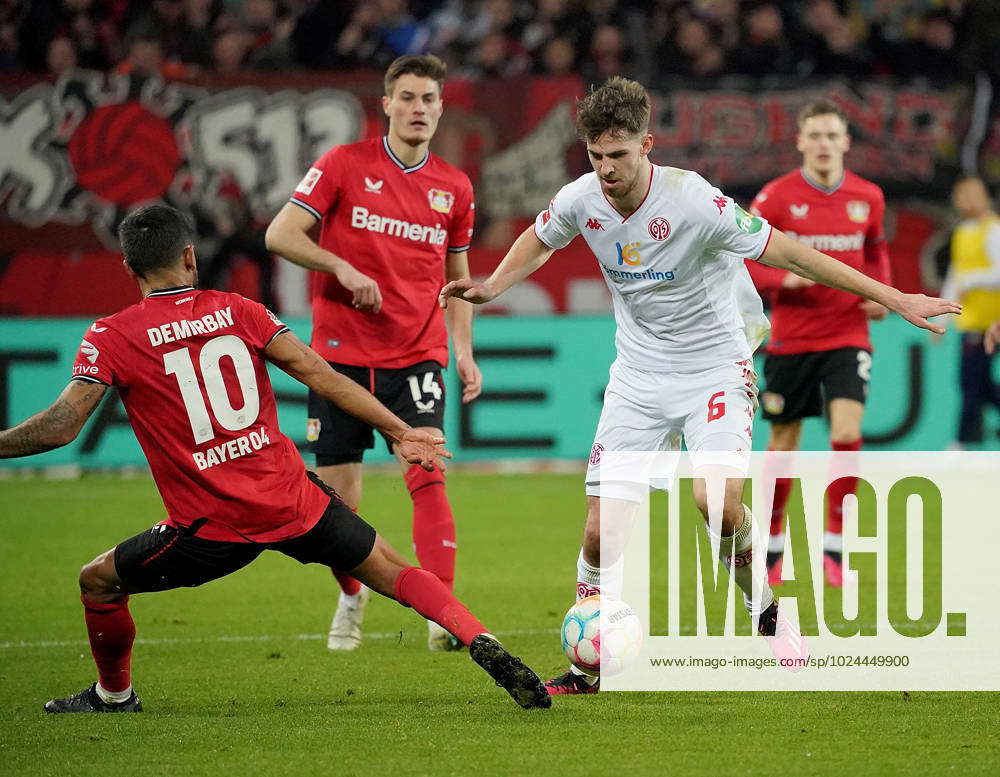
(309, 208)
(763, 251)
(279, 332)
(458, 249)
(90, 379)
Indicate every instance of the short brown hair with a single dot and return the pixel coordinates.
(823, 107)
(618, 106)
(423, 65)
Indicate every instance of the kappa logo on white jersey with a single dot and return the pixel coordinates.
(373, 187)
(799, 211)
(89, 350)
(310, 180)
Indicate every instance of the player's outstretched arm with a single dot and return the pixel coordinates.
(308, 367)
(459, 319)
(524, 257)
(57, 426)
(288, 235)
(791, 255)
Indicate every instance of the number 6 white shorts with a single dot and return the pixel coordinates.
(712, 410)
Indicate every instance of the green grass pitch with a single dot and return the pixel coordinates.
(236, 679)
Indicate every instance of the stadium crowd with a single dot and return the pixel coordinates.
(650, 40)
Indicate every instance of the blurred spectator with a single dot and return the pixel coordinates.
(229, 51)
(830, 45)
(608, 55)
(145, 57)
(89, 25)
(497, 56)
(764, 49)
(558, 58)
(61, 58)
(270, 45)
(974, 280)
(692, 51)
(932, 53)
(642, 38)
(552, 19)
(380, 31)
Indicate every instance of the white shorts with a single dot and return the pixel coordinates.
(711, 410)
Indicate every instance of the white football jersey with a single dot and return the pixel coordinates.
(683, 298)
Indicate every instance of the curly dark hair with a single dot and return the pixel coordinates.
(618, 106)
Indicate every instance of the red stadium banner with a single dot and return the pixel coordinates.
(77, 153)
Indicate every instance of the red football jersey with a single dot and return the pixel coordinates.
(844, 221)
(394, 224)
(189, 366)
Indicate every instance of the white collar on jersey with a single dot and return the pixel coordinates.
(169, 292)
(818, 185)
(399, 163)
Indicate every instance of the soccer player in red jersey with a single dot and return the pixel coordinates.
(819, 354)
(395, 220)
(190, 368)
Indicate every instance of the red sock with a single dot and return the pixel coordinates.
(112, 632)
(782, 489)
(348, 584)
(838, 489)
(433, 523)
(421, 590)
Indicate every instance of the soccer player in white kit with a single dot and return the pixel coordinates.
(671, 247)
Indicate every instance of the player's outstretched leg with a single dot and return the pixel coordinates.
(111, 631)
(433, 539)
(386, 571)
(592, 579)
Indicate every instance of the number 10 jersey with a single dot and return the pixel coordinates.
(189, 367)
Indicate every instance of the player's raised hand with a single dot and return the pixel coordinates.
(364, 290)
(471, 377)
(992, 337)
(476, 292)
(918, 308)
(419, 447)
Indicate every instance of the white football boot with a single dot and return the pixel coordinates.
(440, 640)
(345, 631)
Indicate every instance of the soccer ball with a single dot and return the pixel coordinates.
(601, 627)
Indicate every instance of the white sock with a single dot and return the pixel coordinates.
(833, 543)
(588, 578)
(776, 543)
(737, 545)
(350, 600)
(588, 583)
(113, 697)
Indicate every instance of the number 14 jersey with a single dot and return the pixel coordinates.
(189, 367)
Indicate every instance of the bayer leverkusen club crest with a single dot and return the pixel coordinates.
(858, 210)
(440, 200)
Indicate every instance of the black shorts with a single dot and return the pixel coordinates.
(800, 385)
(415, 394)
(165, 557)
